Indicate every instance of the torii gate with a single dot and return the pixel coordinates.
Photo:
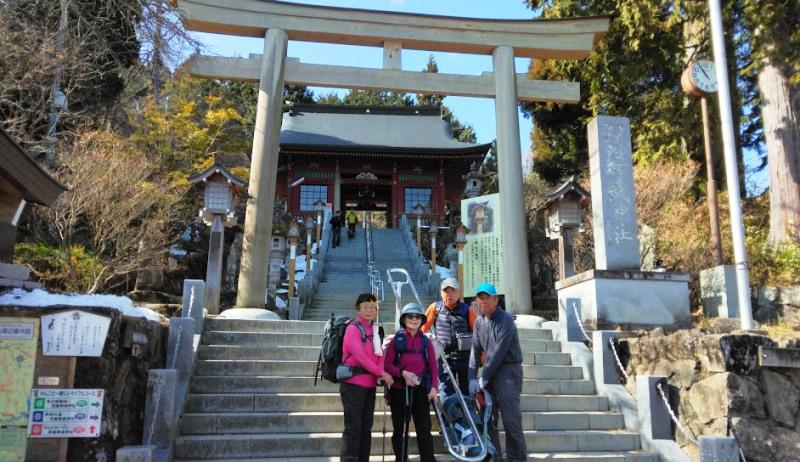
(278, 22)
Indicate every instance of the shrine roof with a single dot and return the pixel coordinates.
(32, 181)
(373, 128)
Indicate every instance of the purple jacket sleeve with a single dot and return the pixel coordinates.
(388, 360)
(433, 367)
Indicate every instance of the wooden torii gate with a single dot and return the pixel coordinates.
(279, 22)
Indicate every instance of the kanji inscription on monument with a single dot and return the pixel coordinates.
(483, 254)
(616, 239)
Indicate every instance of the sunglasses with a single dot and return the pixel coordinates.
(414, 316)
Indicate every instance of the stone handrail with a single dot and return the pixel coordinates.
(168, 388)
(309, 284)
(419, 263)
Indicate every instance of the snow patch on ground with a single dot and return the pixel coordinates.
(43, 299)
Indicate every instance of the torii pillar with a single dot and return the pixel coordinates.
(516, 271)
(252, 286)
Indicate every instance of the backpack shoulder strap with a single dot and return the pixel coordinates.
(425, 341)
(439, 306)
(360, 329)
(400, 346)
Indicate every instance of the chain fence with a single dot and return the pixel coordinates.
(674, 418)
(580, 323)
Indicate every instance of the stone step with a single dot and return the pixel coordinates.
(295, 368)
(227, 337)
(305, 384)
(332, 421)
(599, 456)
(326, 398)
(311, 353)
(328, 444)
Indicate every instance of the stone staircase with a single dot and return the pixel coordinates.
(345, 275)
(252, 397)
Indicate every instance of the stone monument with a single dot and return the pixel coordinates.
(617, 292)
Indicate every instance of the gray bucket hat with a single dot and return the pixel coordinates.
(412, 308)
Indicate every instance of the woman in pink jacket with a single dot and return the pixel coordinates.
(365, 358)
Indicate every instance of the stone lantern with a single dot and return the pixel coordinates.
(461, 241)
(474, 181)
(319, 207)
(293, 235)
(563, 217)
(419, 210)
(309, 225)
(221, 189)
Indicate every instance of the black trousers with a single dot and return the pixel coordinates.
(506, 389)
(359, 411)
(420, 412)
(336, 236)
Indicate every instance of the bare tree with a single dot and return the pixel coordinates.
(114, 210)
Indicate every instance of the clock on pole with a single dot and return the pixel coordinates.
(698, 81)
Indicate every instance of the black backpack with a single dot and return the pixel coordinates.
(330, 353)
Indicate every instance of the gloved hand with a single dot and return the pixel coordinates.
(482, 383)
(474, 386)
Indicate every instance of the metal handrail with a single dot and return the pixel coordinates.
(375, 282)
(455, 449)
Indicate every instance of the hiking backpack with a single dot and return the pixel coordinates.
(401, 347)
(330, 353)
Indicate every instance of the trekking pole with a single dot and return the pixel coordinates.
(406, 423)
(385, 405)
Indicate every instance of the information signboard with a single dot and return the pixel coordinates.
(483, 254)
(74, 333)
(65, 413)
(18, 338)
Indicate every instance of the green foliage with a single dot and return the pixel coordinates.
(634, 72)
(769, 265)
(71, 269)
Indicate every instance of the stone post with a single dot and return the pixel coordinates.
(605, 364)
(652, 412)
(337, 189)
(616, 241)
(179, 348)
(718, 449)
(516, 270)
(292, 257)
(136, 454)
(193, 301)
(263, 168)
(160, 407)
(567, 265)
(214, 270)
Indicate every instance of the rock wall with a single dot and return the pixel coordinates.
(133, 346)
(716, 388)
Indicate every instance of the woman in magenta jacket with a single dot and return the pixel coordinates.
(358, 391)
(416, 382)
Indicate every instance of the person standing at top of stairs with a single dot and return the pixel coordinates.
(336, 229)
(352, 221)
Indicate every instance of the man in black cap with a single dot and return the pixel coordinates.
(497, 341)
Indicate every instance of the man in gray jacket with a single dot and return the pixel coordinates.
(495, 339)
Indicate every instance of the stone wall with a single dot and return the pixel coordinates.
(133, 346)
(778, 303)
(717, 388)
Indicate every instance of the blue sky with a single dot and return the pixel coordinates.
(478, 112)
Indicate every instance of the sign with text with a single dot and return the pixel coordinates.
(483, 254)
(74, 333)
(65, 413)
(18, 338)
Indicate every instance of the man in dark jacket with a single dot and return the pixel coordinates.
(497, 341)
(336, 228)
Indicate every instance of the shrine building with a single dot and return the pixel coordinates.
(384, 159)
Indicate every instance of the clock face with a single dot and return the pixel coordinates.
(704, 75)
